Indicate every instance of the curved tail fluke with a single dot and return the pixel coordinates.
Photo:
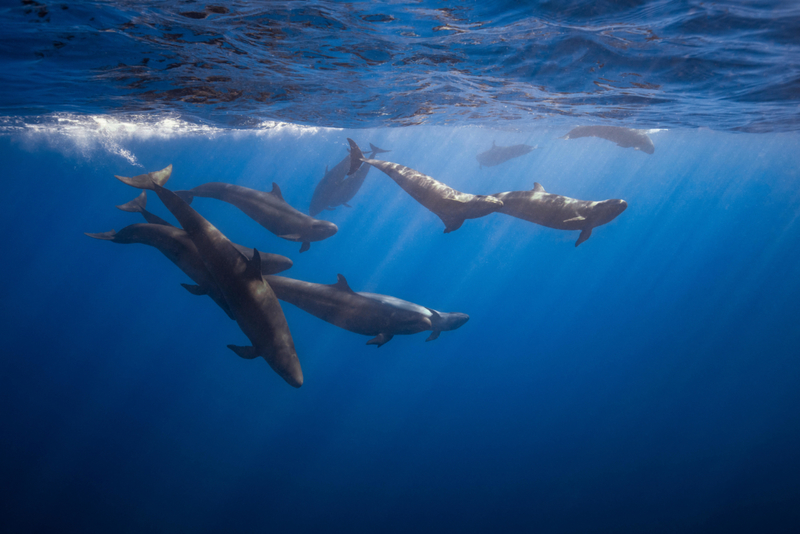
(356, 157)
(146, 181)
(137, 205)
(375, 150)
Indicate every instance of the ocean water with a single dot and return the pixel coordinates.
(645, 381)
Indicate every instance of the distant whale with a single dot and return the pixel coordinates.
(562, 213)
(440, 321)
(252, 302)
(500, 154)
(337, 188)
(624, 137)
(451, 206)
(269, 210)
(343, 307)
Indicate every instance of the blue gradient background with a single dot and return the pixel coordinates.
(646, 381)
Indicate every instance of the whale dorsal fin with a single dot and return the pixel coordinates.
(276, 191)
(341, 283)
(254, 265)
(537, 188)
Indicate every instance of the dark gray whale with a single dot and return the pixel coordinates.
(178, 247)
(623, 137)
(341, 306)
(270, 263)
(451, 206)
(562, 213)
(440, 321)
(252, 302)
(337, 188)
(500, 154)
(269, 210)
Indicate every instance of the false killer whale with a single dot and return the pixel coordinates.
(336, 187)
(451, 206)
(343, 307)
(562, 213)
(623, 137)
(269, 210)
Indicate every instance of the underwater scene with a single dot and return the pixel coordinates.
(400, 266)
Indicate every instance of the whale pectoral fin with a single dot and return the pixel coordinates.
(305, 246)
(290, 237)
(434, 335)
(195, 289)
(576, 219)
(451, 226)
(108, 236)
(248, 353)
(380, 340)
(537, 188)
(586, 233)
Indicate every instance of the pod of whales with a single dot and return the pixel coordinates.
(500, 154)
(559, 212)
(177, 246)
(623, 137)
(243, 282)
(343, 307)
(337, 188)
(451, 206)
(269, 210)
(251, 301)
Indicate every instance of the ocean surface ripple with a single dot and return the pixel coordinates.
(656, 64)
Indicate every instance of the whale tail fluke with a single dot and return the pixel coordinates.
(146, 181)
(375, 150)
(356, 157)
(137, 205)
(107, 236)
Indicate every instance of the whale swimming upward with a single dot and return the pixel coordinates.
(337, 187)
(451, 206)
(559, 212)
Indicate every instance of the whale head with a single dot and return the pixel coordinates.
(321, 230)
(454, 320)
(646, 145)
(488, 204)
(608, 210)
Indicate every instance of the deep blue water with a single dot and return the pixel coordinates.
(646, 381)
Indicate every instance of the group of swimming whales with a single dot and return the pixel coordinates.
(243, 281)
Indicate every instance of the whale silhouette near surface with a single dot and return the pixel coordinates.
(623, 137)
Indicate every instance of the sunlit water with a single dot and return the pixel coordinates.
(645, 381)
